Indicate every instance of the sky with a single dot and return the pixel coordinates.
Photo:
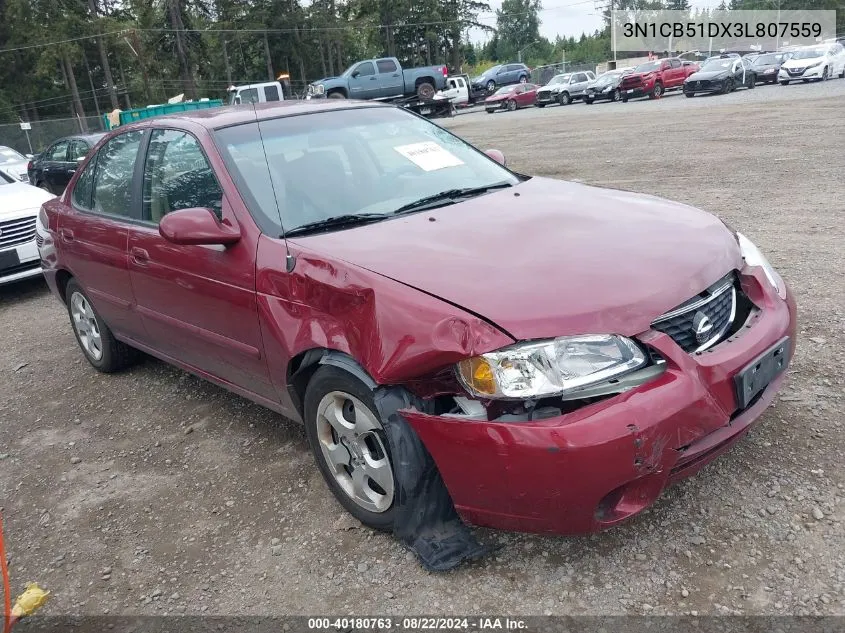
(567, 17)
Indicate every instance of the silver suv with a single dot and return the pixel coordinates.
(563, 89)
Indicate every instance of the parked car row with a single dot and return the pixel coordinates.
(722, 73)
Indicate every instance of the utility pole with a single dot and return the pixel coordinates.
(613, 34)
(270, 74)
(77, 103)
(104, 58)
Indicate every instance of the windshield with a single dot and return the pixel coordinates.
(809, 53)
(505, 90)
(558, 79)
(8, 155)
(607, 78)
(648, 67)
(375, 160)
(717, 64)
(773, 58)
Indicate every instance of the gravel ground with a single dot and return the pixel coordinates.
(152, 492)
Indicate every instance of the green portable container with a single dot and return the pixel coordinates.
(137, 114)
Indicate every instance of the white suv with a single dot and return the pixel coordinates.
(818, 62)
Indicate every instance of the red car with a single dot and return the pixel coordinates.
(563, 352)
(511, 98)
(652, 79)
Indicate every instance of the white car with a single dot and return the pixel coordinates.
(818, 62)
(13, 163)
(20, 203)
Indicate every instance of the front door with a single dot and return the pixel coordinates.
(197, 303)
(94, 232)
(363, 84)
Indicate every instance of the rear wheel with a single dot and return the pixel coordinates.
(523, 79)
(98, 344)
(349, 444)
(689, 94)
(588, 100)
(540, 105)
(425, 90)
(617, 95)
(784, 83)
(624, 98)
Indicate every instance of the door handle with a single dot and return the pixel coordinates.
(373, 78)
(67, 235)
(139, 256)
(71, 171)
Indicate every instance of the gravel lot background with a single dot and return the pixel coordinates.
(153, 492)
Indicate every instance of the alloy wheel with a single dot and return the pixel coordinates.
(86, 326)
(351, 441)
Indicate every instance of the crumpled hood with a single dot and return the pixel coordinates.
(20, 196)
(18, 168)
(494, 98)
(558, 258)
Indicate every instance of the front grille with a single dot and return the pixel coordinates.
(796, 71)
(16, 232)
(704, 320)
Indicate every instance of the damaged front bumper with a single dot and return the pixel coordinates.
(598, 465)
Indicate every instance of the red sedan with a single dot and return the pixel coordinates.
(563, 352)
(511, 98)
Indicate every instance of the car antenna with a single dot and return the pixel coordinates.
(290, 260)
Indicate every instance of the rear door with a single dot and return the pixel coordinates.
(674, 75)
(77, 152)
(391, 82)
(93, 232)
(197, 303)
(579, 83)
(54, 167)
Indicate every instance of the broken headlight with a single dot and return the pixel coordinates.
(753, 256)
(549, 368)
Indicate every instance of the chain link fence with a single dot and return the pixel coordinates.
(45, 132)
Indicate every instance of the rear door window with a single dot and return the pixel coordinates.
(271, 93)
(78, 149)
(386, 66)
(112, 194)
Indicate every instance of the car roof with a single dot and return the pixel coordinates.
(226, 116)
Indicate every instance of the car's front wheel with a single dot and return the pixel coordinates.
(617, 95)
(349, 443)
(491, 86)
(658, 91)
(825, 74)
(95, 339)
(784, 83)
(564, 98)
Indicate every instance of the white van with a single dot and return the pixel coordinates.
(256, 93)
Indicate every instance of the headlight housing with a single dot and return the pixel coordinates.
(754, 257)
(551, 367)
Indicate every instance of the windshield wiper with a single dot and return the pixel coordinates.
(337, 222)
(450, 196)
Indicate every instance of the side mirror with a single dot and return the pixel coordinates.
(196, 227)
(80, 159)
(355, 74)
(29, 156)
(497, 156)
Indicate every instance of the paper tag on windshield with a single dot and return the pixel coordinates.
(429, 156)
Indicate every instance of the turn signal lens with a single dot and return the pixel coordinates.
(478, 375)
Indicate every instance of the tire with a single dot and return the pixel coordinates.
(425, 90)
(99, 346)
(689, 94)
(511, 106)
(729, 86)
(43, 185)
(657, 92)
(361, 436)
(784, 83)
(336, 95)
(624, 98)
(523, 79)
(617, 95)
(842, 74)
(752, 83)
(825, 74)
(491, 86)
(588, 100)
(806, 81)
(564, 99)
(540, 105)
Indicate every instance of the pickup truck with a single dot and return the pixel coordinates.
(654, 78)
(382, 78)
